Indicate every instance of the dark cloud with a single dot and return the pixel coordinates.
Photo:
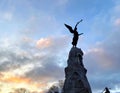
(50, 70)
(12, 58)
(45, 61)
(103, 63)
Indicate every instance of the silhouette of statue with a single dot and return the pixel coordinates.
(106, 90)
(75, 33)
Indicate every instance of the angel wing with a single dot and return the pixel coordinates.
(70, 28)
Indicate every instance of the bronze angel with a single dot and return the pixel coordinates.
(75, 33)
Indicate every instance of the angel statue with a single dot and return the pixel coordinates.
(75, 33)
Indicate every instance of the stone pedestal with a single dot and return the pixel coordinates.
(75, 74)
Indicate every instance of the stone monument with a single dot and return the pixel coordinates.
(75, 73)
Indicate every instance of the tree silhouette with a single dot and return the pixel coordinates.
(20, 90)
(56, 88)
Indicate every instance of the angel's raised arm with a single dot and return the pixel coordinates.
(80, 34)
(78, 23)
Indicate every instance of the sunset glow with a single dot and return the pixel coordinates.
(34, 43)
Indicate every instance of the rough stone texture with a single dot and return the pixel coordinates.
(75, 74)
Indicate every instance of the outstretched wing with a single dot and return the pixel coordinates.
(69, 27)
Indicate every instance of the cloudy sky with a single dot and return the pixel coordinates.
(34, 43)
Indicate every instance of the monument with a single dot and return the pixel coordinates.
(75, 72)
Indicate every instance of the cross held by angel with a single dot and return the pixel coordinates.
(74, 32)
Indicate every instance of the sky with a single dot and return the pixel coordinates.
(35, 43)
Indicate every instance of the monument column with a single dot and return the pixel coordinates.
(75, 73)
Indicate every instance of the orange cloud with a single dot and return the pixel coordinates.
(44, 43)
(10, 82)
(17, 80)
(1, 74)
